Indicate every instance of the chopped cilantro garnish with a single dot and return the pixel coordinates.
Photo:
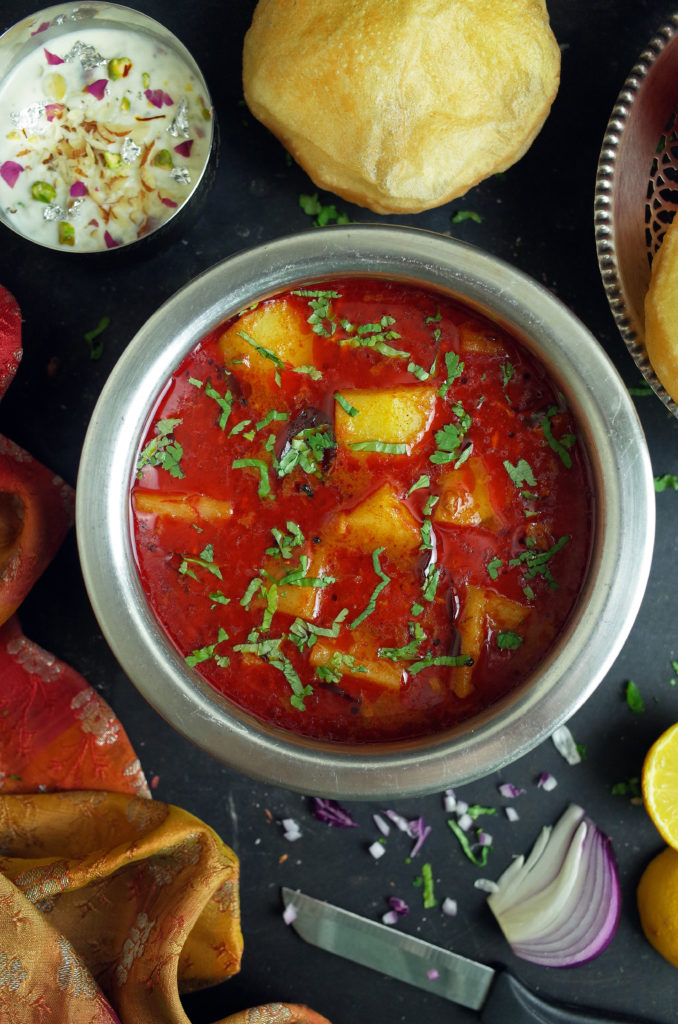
(416, 608)
(423, 481)
(448, 439)
(267, 353)
(535, 560)
(331, 672)
(286, 542)
(90, 337)
(440, 660)
(208, 652)
(461, 215)
(372, 603)
(311, 371)
(384, 447)
(521, 473)
(409, 650)
(225, 402)
(306, 450)
(304, 634)
(509, 641)
(269, 651)
(431, 503)
(665, 482)
(431, 580)
(162, 450)
(349, 409)
(630, 787)
(264, 484)
(455, 368)
(271, 416)
(507, 371)
(426, 537)
(238, 427)
(204, 561)
(559, 446)
(633, 698)
(493, 568)
(322, 215)
(218, 597)
(374, 335)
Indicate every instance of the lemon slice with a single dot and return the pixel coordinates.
(660, 785)
(657, 897)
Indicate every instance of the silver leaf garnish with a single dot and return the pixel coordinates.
(179, 125)
(54, 212)
(86, 54)
(129, 151)
(182, 175)
(30, 119)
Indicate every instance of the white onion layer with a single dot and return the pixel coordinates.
(560, 906)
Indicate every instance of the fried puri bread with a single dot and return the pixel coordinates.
(401, 105)
(661, 312)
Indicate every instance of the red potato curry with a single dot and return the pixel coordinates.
(361, 511)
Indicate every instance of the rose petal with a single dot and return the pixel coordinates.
(168, 202)
(157, 97)
(41, 28)
(10, 171)
(77, 189)
(97, 89)
(110, 241)
(52, 58)
(184, 148)
(53, 110)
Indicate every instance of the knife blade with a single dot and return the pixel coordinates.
(497, 995)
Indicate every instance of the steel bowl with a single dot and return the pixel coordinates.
(43, 30)
(623, 521)
(636, 193)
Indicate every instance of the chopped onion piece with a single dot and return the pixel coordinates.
(510, 791)
(432, 974)
(449, 907)
(449, 801)
(398, 906)
(464, 822)
(563, 741)
(547, 781)
(461, 807)
(398, 820)
(289, 913)
(291, 829)
(332, 812)
(484, 838)
(382, 825)
(486, 885)
(511, 813)
(377, 849)
(390, 917)
(560, 906)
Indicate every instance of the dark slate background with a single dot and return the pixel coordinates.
(539, 217)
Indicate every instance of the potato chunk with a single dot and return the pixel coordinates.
(399, 415)
(299, 601)
(365, 666)
(380, 520)
(483, 608)
(182, 506)
(465, 497)
(473, 338)
(276, 326)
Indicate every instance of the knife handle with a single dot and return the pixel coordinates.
(509, 1002)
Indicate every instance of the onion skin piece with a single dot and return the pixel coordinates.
(560, 907)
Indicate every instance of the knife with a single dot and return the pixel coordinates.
(497, 995)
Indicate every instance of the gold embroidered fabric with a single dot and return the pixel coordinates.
(110, 905)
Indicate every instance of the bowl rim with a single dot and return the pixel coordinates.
(629, 321)
(131, 20)
(624, 528)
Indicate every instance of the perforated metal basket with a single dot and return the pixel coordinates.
(636, 193)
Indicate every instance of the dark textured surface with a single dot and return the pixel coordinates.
(539, 216)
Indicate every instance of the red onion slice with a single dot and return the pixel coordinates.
(560, 906)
